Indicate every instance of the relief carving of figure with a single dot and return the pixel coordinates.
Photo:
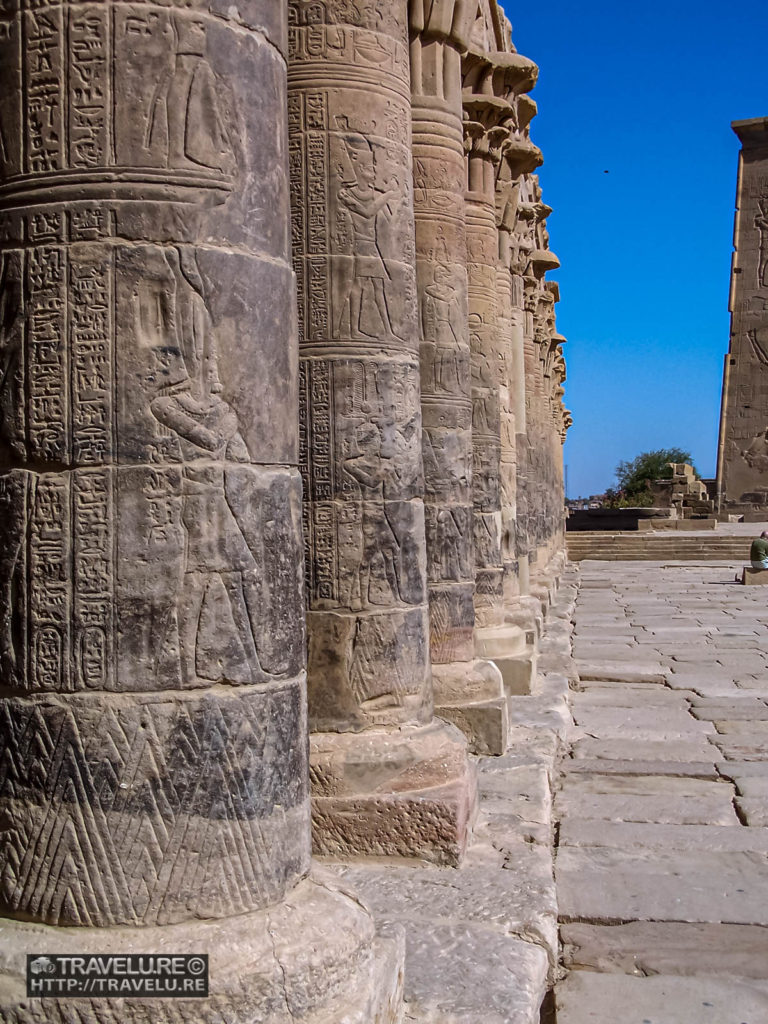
(441, 311)
(185, 122)
(373, 475)
(364, 202)
(756, 453)
(761, 223)
(216, 607)
(447, 554)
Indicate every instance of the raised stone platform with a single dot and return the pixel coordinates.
(407, 792)
(754, 577)
(657, 547)
(313, 959)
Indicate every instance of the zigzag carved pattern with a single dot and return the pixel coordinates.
(151, 813)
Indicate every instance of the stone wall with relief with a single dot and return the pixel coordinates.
(742, 472)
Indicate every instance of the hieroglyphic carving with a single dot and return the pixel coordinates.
(47, 402)
(89, 88)
(50, 595)
(45, 47)
(91, 344)
(362, 468)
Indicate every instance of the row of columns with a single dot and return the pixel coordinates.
(172, 181)
(412, 164)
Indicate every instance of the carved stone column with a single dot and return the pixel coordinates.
(153, 772)
(468, 691)
(507, 195)
(490, 83)
(520, 156)
(544, 471)
(376, 748)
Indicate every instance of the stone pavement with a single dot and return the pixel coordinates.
(662, 803)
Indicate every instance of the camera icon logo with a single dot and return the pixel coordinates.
(42, 965)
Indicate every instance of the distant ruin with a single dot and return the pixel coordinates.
(742, 465)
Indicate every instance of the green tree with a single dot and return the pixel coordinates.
(634, 477)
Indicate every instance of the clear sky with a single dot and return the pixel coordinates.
(645, 91)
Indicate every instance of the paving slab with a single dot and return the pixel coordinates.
(732, 769)
(646, 750)
(740, 748)
(505, 985)
(625, 672)
(756, 683)
(677, 769)
(650, 947)
(622, 835)
(664, 800)
(747, 712)
(619, 695)
(605, 885)
(607, 721)
(755, 729)
(753, 810)
(519, 900)
(522, 795)
(702, 686)
(587, 998)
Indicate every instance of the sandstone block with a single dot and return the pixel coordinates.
(665, 800)
(586, 998)
(667, 948)
(602, 885)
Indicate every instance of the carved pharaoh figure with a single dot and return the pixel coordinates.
(364, 200)
(216, 635)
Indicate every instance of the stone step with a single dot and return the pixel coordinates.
(604, 546)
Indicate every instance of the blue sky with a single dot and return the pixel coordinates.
(647, 92)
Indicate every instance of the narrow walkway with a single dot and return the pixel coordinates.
(662, 863)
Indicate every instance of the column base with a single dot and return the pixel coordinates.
(526, 614)
(508, 648)
(470, 694)
(407, 792)
(312, 959)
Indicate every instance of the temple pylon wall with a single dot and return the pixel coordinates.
(742, 465)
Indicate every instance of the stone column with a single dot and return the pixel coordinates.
(376, 747)
(546, 513)
(468, 691)
(507, 195)
(490, 83)
(153, 771)
(535, 472)
(520, 156)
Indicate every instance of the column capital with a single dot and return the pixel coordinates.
(498, 73)
(449, 21)
(481, 140)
